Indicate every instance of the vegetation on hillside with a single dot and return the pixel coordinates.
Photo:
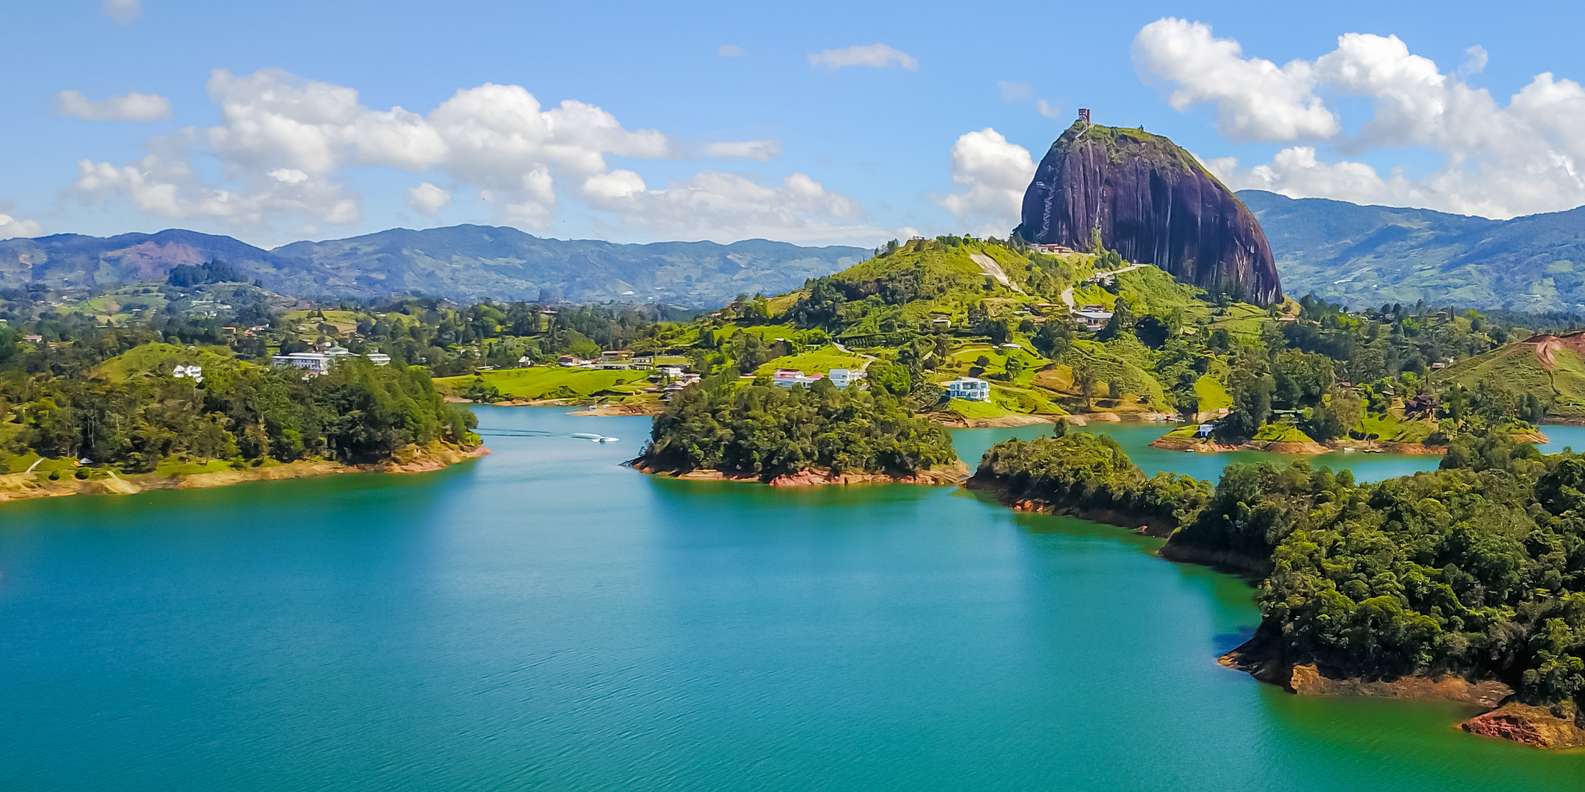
(1085, 473)
(764, 431)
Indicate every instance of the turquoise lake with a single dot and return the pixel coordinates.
(547, 619)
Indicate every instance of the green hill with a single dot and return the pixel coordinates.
(1548, 367)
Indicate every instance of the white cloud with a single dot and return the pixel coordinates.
(730, 51)
(1496, 160)
(744, 149)
(727, 207)
(1254, 98)
(11, 227)
(614, 188)
(132, 106)
(991, 175)
(169, 188)
(124, 12)
(1474, 61)
(1047, 109)
(870, 56)
(427, 199)
(283, 143)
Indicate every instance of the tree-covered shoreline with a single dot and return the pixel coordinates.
(1475, 571)
(762, 431)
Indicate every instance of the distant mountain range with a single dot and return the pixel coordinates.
(465, 262)
(1360, 255)
(1369, 255)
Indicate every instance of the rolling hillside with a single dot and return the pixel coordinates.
(1550, 367)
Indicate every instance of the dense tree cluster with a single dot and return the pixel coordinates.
(1084, 472)
(358, 413)
(1477, 569)
(766, 431)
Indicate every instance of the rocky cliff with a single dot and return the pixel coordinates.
(1152, 202)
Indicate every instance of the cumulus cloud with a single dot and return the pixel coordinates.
(991, 174)
(1496, 159)
(428, 199)
(170, 188)
(11, 227)
(132, 106)
(1254, 98)
(283, 142)
(730, 51)
(726, 207)
(124, 12)
(869, 56)
(744, 149)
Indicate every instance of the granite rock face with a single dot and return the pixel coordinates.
(1152, 202)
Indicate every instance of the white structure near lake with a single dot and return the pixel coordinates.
(970, 389)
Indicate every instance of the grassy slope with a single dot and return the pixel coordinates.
(546, 382)
(160, 358)
(1516, 368)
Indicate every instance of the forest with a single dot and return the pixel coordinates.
(764, 431)
(1476, 569)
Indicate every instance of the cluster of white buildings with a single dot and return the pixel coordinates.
(316, 363)
(840, 377)
(614, 360)
(194, 373)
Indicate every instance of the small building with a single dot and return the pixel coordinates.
(1204, 430)
(1092, 317)
(378, 358)
(940, 321)
(969, 388)
(312, 363)
(842, 377)
(643, 361)
(788, 378)
(194, 373)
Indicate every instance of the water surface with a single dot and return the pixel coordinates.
(547, 619)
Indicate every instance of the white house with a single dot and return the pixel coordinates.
(970, 388)
(787, 378)
(378, 358)
(842, 377)
(1204, 430)
(1092, 317)
(310, 362)
(194, 373)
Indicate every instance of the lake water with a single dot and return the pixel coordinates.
(544, 618)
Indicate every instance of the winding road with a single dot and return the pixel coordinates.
(1067, 294)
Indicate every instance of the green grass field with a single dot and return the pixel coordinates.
(814, 361)
(159, 358)
(1211, 395)
(552, 382)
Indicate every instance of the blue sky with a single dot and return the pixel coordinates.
(274, 122)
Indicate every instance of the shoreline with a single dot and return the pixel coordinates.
(1501, 716)
(940, 476)
(18, 487)
(1313, 448)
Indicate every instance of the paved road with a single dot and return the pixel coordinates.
(1067, 294)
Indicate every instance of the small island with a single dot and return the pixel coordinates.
(1466, 584)
(813, 436)
(163, 416)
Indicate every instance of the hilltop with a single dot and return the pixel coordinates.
(1151, 201)
(466, 262)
